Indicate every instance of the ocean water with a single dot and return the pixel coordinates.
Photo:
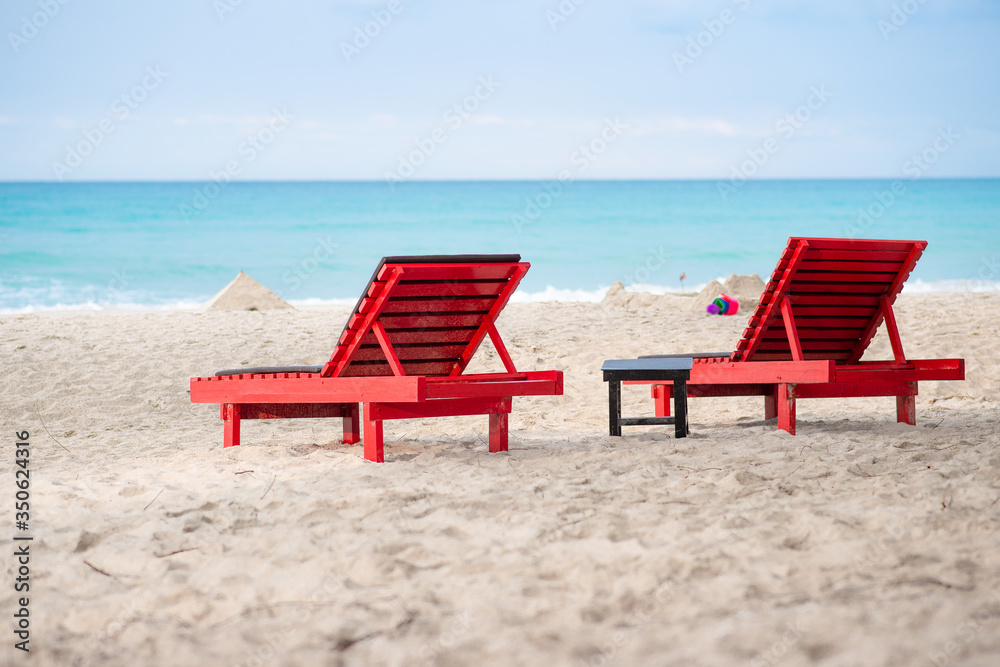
(173, 245)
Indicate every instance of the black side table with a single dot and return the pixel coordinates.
(655, 369)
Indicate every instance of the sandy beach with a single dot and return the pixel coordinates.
(858, 541)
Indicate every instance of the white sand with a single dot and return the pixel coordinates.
(858, 541)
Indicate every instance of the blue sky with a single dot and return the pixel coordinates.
(502, 90)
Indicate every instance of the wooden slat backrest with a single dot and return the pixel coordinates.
(834, 287)
(434, 310)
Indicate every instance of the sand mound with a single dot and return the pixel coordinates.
(616, 295)
(245, 293)
(745, 289)
(707, 295)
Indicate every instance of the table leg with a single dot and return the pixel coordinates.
(615, 407)
(680, 409)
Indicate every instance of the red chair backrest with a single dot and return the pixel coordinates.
(434, 312)
(835, 288)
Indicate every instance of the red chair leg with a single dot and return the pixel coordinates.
(374, 449)
(352, 426)
(231, 413)
(786, 407)
(498, 432)
(662, 393)
(906, 410)
(771, 404)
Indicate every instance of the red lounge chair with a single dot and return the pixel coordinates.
(816, 317)
(402, 355)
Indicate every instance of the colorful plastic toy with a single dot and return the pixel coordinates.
(724, 305)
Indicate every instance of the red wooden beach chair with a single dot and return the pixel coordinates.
(401, 356)
(816, 317)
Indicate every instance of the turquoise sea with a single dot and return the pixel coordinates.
(173, 245)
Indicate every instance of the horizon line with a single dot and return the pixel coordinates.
(492, 180)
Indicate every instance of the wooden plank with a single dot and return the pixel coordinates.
(784, 401)
(868, 245)
(498, 432)
(452, 407)
(889, 256)
(411, 352)
(722, 390)
(531, 387)
(490, 318)
(827, 320)
(793, 341)
(773, 306)
(294, 410)
(919, 370)
(493, 377)
(500, 347)
(813, 345)
(390, 354)
(428, 336)
(448, 272)
(807, 355)
(876, 289)
(374, 441)
(357, 332)
(859, 314)
(851, 301)
(822, 333)
(741, 372)
(421, 321)
(917, 248)
(441, 305)
(837, 256)
(356, 320)
(413, 368)
(432, 290)
(314, 389)
(855, 389)
(892, 331)
(857, 266)
(835, 278)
